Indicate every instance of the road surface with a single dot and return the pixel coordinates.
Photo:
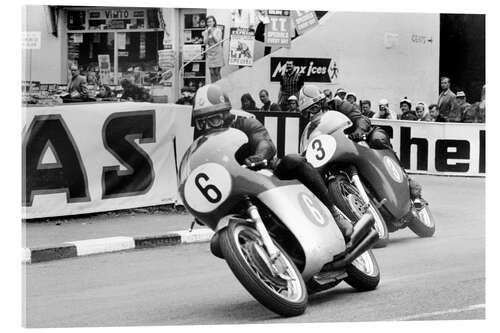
(422, 279)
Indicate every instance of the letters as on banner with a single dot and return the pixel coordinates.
(304, 20)
(101, 157)
(278, 29)
(241, 47)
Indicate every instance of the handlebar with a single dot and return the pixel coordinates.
(256, 166)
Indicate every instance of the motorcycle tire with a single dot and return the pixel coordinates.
(422, 222)
(239, 243)
(338, 188)
(363, 273)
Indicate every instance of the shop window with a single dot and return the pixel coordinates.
(76, 20)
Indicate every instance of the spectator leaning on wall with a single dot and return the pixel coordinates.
(267, 105)
(422, 112)
(476, 113)
(293, 105)
(247, 103)
(447, 99)
(435, 116)
(460, 107)
(383, 111)
(406, 111)
(366, 108)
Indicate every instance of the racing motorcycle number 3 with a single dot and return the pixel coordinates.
(320, 150)
(207, 187)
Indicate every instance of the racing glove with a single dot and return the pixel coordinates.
(358, 135)
(255, 161)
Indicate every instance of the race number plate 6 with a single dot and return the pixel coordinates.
(207, 187)
(320, 150)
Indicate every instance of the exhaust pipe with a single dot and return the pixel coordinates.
(365, 244)
(360, 229)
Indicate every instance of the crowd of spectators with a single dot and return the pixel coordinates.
(449, 107)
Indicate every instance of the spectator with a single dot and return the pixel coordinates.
(77, 87)
(447, 98)
(212, 37)
(384, 112)
(105, 93)
(187, 97)
(366, 108)
(247, 103)
(406, 111)
(422, 112)
(290, 84)
(461, 105)
(132, 92)
(434, 113)
(340, 94)
(267, 105)
(476, 113)
(293, 105)
(351, 98)
(329, 94)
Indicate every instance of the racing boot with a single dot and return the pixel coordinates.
(416, 193)
(343, 223)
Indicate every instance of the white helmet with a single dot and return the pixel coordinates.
(210, 99)
(310, 95)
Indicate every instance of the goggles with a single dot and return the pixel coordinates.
(313, 109)
(213, 121)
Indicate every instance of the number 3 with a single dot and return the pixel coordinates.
(319, 148)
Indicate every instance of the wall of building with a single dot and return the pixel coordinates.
(379, 55)
(44, 64)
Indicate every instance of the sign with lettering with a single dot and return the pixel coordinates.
(277, 31)
(241, 47)
(304, 20)
(323, 70)
(31, 40)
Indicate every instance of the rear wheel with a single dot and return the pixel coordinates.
(422, 221)
(363, 273)
(284, 294)
(347, 198)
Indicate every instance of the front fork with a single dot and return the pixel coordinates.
(253, 212)
(361, 189)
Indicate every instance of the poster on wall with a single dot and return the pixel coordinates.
(121, 40)
(241, 47)
(278, 30)
(322, 70)
(304, 20)
(104, 68)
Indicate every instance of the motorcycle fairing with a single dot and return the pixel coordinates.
(377, 167)
(300, 211)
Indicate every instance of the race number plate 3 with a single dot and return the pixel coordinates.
(207, 187)
(320, 150)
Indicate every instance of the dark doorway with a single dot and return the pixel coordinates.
(462, 53)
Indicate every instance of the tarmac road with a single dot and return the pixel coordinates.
(422, 279)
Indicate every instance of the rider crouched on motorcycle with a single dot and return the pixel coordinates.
(211, 111)
(313, 102)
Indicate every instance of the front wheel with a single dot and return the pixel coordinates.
(347, 198)
(422, 222)
(363, 273)
(245, 254)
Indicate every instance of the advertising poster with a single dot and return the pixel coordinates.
(304, 20)
(321, 70)
(241, 47)
(104, 67)
(278, 32)
(121, 39)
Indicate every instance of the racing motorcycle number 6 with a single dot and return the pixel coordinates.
(207, 187)
(320, 150)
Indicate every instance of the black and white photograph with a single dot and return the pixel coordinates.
(301, 163)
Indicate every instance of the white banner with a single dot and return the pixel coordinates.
(438, 148)
(84, 158)
(453, 149)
